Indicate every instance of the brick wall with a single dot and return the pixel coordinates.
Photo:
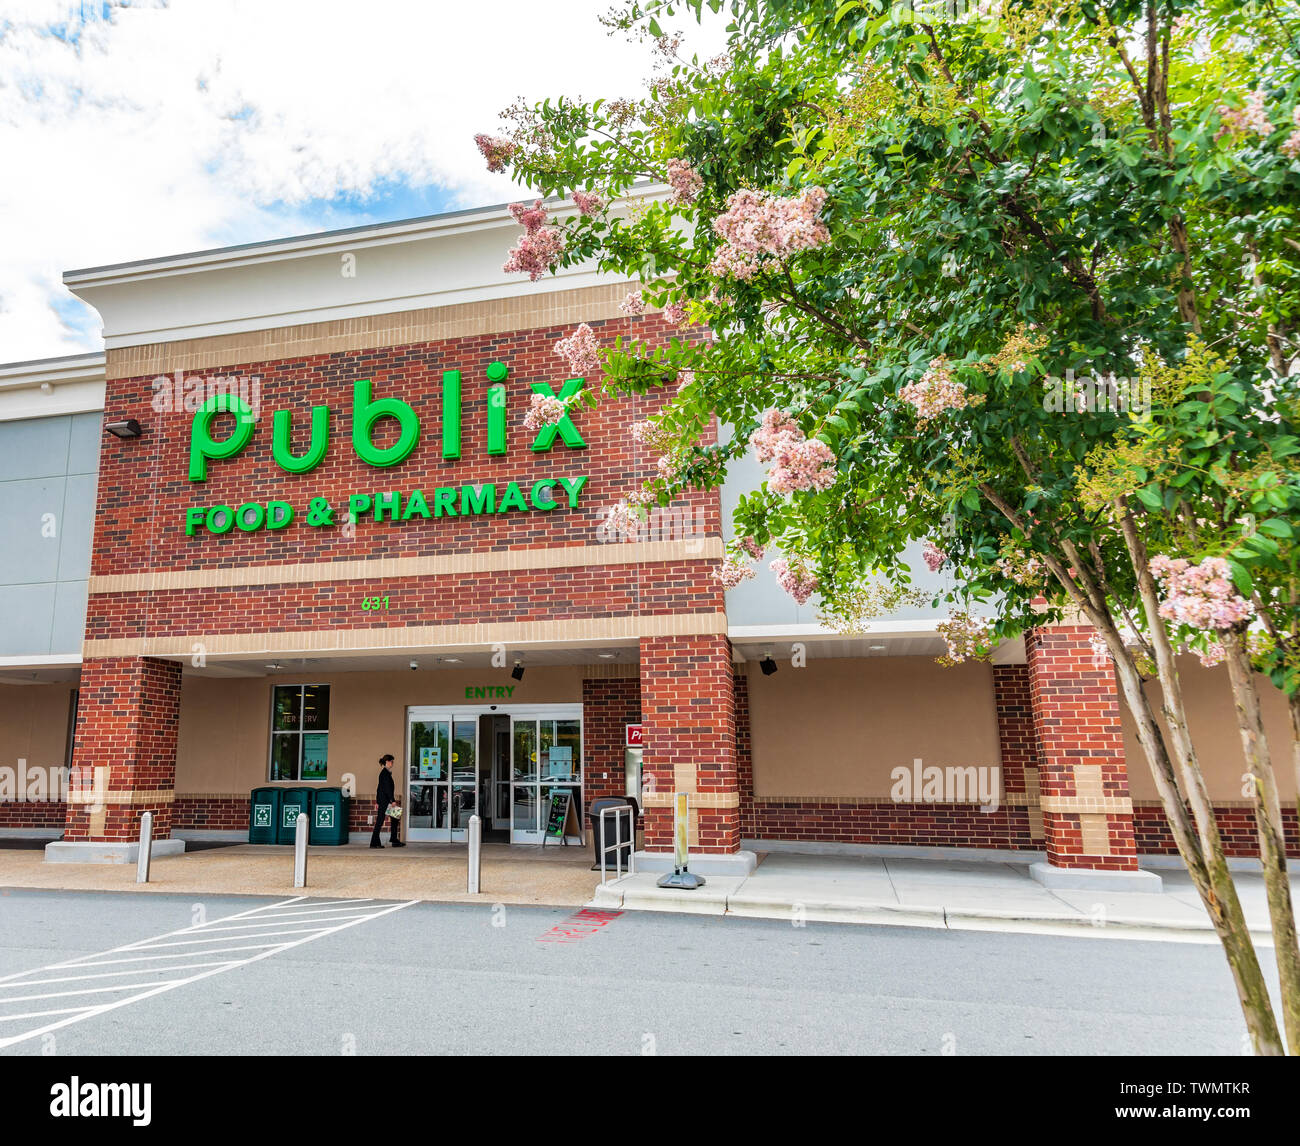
(1236, 827)
(878, 821)
(688, 708)
(607, 706)
(464, 598)
(744, 756)
(210, 813)
(32, 814)
(1076, 714)
(144, 491)
(127, 721)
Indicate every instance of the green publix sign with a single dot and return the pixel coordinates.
(390, 506)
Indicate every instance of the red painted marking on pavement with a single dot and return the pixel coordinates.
(579, 925)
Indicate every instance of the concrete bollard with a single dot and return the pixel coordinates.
(300, 851)
(475, 854)
(146, 848)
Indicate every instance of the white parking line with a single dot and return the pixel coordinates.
(38, 977)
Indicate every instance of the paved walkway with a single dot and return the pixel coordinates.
(993, 894)
(920, 892)
(554, 876)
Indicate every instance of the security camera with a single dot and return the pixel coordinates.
(415, 665)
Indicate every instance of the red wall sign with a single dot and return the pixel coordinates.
(635, 735)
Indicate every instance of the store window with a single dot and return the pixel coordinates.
(300, 731)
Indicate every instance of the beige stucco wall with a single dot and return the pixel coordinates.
(34, 724)
(225, 723)
(1213, 723)
(837, 727)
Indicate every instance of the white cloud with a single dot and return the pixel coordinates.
(175, 126)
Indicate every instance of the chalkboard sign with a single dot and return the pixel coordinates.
(560, 815)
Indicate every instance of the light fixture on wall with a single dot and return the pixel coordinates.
(767, 664)
(449, 660)
(518, 671)
(124, 428)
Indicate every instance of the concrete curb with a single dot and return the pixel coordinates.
(749, 906)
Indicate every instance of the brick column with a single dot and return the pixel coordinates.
(124, 755)
(1019, 752)
(1083, 779)
(688, 708)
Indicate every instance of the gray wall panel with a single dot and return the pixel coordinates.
(43, 578)
(34, 448)
(28, 612)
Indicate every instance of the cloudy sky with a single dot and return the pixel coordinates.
(134, 130)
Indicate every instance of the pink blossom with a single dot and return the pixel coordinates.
(685, 182)
(965, 636)
(759, 226)
(633, 304)
(621, 521)
(589, 202)
(1200, 596)
(751, 547)
(1100, 650)
(1213, 654)
(933, 556)
(676, 314)
(685, 378)
(539, 248)
(795, 578)
(651, 435)
(936, 391)
(495, 150)
(1291, 146)
(776, 430)
(543, 410)
(731, 572)
(579, 349)
(669, 468)
(803, 467)
(1252, 118)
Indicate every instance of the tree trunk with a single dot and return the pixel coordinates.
(1208, 869)
(1222, 902)
(1268, 826)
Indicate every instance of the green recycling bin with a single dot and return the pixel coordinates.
(293, 801)
(263, 815)
(329, 817)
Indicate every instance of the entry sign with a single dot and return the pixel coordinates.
(635, 735)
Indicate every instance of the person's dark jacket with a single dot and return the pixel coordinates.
(384, 794)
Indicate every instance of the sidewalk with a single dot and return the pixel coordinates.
(982, 895)
(554, 876)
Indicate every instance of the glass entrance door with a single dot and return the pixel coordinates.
(547, 760)
(442, 774)
(461, 761)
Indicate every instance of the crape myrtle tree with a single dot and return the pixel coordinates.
(1017, 282)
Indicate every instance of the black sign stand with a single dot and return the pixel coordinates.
(559, 817)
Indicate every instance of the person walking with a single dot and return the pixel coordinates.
(384, 795)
